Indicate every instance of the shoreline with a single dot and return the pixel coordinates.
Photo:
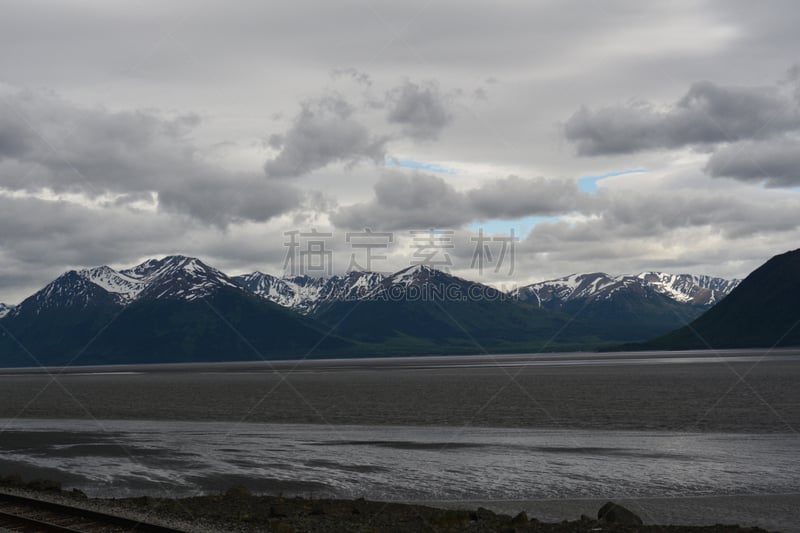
(423, 362)
(236, 509)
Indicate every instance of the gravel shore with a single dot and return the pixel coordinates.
(237, 510)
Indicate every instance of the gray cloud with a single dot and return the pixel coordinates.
(332, 129)
(629, 214)
(353, 74)
(775, 163)
(42, 239)
(682, 230)
(242, 197)
(157, 57)
(407, 201)
(515, 197)
(420, 109)
(47, 143)
(707, 114)
(325, 131)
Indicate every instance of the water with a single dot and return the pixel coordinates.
(406, 463)
(515, 428)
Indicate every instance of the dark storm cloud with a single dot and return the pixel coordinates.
(775, 163)
(407, 201)
(325, 131)
(706, 115)
(420, 110)
(47, 143)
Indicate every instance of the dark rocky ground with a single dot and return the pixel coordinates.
(237, 510)
(269, 513)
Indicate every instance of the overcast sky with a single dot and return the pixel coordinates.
(610, 136)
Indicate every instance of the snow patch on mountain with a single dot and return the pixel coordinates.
(687, 288)
(127, 287)
(306, 294)
(682, 288)
(5, 309)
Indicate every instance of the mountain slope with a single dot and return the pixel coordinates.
(54, 324)
(228, 325)
(424, 309)
(4, 309)
(763, 311)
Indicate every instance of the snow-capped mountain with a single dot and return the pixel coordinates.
(177, 276)
(429, 309)
(5, 309)
(305, 294)
(173, 277)
(425, 281)
(700, 291)
(417, 275)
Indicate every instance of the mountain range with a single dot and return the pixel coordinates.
(179, 309)
(176, 309)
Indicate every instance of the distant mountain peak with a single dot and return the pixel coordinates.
(419, 273)
(683, 288)
(178, 276)
(419, 267)
(172, 277)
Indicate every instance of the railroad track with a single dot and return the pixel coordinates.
(18, 513)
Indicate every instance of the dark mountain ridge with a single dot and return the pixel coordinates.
(763, 311)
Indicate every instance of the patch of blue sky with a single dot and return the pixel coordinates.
(419, 165)
(521, 226)
(589, 183)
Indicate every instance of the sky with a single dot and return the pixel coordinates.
(508, 142)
